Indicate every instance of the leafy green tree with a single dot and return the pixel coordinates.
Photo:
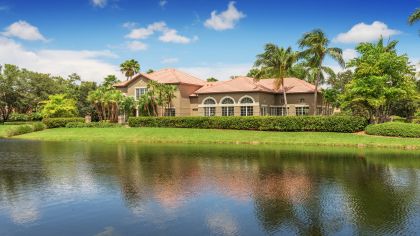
(109, 81)
(276, 62)
(11, 90)
(315, 45)
(212, 79)
(381, 78)
(149, 71)
(129, 68)
(59, 106)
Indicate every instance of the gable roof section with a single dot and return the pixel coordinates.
(247, 84)
(165, 76)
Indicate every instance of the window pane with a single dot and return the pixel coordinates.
(247, 111)
(209, 101)
(209, 111)
(169, 112)
(247, 100)
(228, 101)
(227, 111)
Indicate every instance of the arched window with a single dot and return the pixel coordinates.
(247, 100)
(228, 101)
(209, 101)
(228, 108)
(209, 107)
(246, 108)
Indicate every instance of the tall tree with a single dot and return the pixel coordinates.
(129, 68)
(315, 45)
(11, 91)
(276, 62)
(382, 78)
(59, 106)
(109, 81)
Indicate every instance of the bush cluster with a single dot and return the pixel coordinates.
(92, 125)
(60, 122)
(19, 117)
(344, 124)
(396, 129)
(24, 129)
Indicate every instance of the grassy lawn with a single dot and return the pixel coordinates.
(179, 135)
(3, 129)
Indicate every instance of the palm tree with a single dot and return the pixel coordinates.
(130, 68)
(315, 45)
(168, 95)
(276, 62)
(414, 17)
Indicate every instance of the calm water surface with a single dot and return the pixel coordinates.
(54, 188)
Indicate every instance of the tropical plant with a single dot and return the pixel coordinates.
(276, 62)
(129, 68)
(414, 17)
(212, 79)
(315, 50)
(381, 79)
(59, 106)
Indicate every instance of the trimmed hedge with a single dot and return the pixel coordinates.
(395, 129)
(21, 117)
(60, 122)
(345, 124)
(92, 125)
(24, 129)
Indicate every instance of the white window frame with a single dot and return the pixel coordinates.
(139, 88)
(166, 113)
(282, 110)
(246, 109)
(209, 109)
(302, 113)
(264, 110)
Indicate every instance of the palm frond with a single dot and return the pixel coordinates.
(414, 17)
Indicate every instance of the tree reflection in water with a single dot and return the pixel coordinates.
(302, 191)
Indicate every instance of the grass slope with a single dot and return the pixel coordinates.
(179, 135)
(3, 129)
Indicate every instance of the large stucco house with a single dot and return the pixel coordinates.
(240, 96)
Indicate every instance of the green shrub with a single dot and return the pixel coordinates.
(60, 122)
(416, 121)
(92, 125)
(274, 123)
(13, 117)
(35, 116)
(18, 123)
(38, 126)
(18, 130)
(398, 119)
(395, 129)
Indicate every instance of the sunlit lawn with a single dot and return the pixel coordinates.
(180, 135)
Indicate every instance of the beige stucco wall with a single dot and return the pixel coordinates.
(261, 99)
(186, 105)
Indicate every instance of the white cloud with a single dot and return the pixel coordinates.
(226, 19)
(349, 54)
(170, 60)
(218, 71)
(172, 36)
(129, 24)
(23, 30)
(366, 33)
(168, 35)
(99, 3)
(162, 3)
(143, 33)
(88, 64)
(136, 46)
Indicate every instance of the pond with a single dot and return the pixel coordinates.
(67, 188)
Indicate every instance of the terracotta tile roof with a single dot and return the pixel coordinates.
(293, 85)
(166, 76)
(247, 84)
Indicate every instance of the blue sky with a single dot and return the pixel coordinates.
(204, 37)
